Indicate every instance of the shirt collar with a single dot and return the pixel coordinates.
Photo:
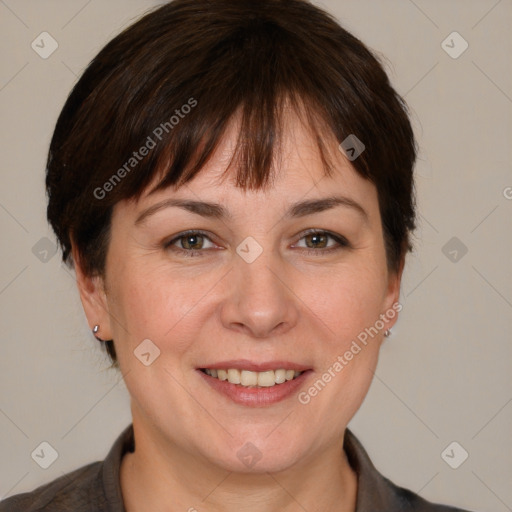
(375, 493)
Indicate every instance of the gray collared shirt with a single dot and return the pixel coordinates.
(96, 487)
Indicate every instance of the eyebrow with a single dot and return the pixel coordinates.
(217, 211)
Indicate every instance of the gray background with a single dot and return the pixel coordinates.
(445, 373)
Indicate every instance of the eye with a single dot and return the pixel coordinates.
(195, 243)
(317, 241)
(190, 243)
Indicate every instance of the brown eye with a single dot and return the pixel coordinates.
(190, 243)
(322, 242)
(316, 240)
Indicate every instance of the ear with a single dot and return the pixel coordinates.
(93, 297)
(392, 296)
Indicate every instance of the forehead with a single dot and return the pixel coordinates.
(297, 170)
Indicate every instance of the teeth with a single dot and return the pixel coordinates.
(248, 378)
(251, 379)
(280, 376)
(266, 379)
(234, 376)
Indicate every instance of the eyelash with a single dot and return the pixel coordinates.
(340, 240)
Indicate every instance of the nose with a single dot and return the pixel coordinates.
(260, 301)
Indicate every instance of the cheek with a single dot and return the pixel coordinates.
(348, 352)
(347, 301)
(151, 302)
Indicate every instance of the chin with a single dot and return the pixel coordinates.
(257, 454)
(254, 462)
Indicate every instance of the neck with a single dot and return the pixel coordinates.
(158, 474)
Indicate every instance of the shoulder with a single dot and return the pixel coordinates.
(95, 486)
(408, 501)
(377, 493)
(80, 489)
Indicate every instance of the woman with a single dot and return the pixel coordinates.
(232, 182)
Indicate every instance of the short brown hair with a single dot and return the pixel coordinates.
(187, 68)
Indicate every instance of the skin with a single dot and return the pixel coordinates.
(286, 305)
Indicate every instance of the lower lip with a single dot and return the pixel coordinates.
(256, 397)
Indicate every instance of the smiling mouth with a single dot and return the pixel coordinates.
(251, 379)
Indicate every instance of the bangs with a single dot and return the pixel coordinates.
(257, 148)
(253, 76)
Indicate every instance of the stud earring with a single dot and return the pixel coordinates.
(95, 330)
(387, 333)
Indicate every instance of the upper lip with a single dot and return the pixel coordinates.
(245, 364)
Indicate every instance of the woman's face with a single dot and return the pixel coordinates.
(252, 290)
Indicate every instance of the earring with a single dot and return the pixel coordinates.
(95, 330)
(387, 333)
